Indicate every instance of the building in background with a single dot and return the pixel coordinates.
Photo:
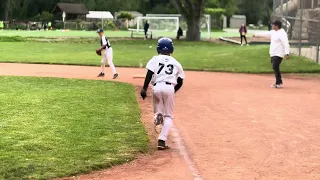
(72, 11)
(237, 20)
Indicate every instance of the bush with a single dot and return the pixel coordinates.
(111, 25)
(125, 15)
(59, 25)
(18, 26)
(107, 25)
(44, 16)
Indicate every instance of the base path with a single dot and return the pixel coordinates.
(227, 126)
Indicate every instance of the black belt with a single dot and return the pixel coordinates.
(167, 83)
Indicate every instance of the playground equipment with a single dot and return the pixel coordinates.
(300, 18)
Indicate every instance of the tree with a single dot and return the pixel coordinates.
(192, 11)
(256, 10)
(126, 17)
(216, 16)
(44, 16)
(230, 7)
(157, 7)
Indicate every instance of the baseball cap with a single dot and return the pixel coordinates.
(277, 23)
(100, 30)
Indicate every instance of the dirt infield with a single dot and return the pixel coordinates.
(228, 126)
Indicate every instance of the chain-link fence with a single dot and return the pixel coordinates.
(301, 20)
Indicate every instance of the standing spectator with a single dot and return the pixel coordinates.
(49, 26)
(146, 27)
(243, 32)
(45, 26)
(269, 26)
(279, 48)
(179, 33)
(1, 25)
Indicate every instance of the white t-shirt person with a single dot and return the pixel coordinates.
(279, 48)
(279, 43)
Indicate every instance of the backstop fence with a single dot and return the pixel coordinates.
(301, 20)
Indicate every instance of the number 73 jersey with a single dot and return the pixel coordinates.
(165, 69)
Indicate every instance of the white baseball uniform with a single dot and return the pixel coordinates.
(107, 54)
(166, 71)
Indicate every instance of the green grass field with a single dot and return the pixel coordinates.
(130, 53)
(56, 33)
(54, 127)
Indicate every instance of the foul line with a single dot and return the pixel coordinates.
(184, 153)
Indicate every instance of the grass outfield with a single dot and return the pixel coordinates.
(54, 33)
(130, 53)
(54, 127)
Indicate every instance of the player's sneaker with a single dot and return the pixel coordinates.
(273, 86)
(276, 86)
(162, 145)
(101, 74)
(247, 44)
(115, 75)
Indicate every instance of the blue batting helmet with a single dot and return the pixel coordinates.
(100, 30)
(165, 46)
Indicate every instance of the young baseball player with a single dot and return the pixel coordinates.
(167, 76)
(107, 54)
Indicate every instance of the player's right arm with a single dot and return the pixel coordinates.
(104, 43)
(181, 77)
(263, 35)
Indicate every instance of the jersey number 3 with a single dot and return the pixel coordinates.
(168, 70)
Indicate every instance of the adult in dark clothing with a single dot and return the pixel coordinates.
(146, 27)
(243, 32)
(179, 33)
(269, 26)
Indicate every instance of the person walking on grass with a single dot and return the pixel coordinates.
(279, 49)
(179, 33)
(243, 32)
(146, 28)
(1, 25)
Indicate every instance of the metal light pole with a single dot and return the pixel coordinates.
(300, 37)
(318, 43)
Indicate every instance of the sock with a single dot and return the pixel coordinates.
(165, 129)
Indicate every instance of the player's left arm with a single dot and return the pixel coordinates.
(285, 43)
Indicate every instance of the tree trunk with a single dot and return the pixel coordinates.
(193, 32)
(192, 11)
(6, 10)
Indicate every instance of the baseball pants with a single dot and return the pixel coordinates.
(107, 55)
(163, 102)
(276, 61)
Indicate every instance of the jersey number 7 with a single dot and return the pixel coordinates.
(169, 69)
